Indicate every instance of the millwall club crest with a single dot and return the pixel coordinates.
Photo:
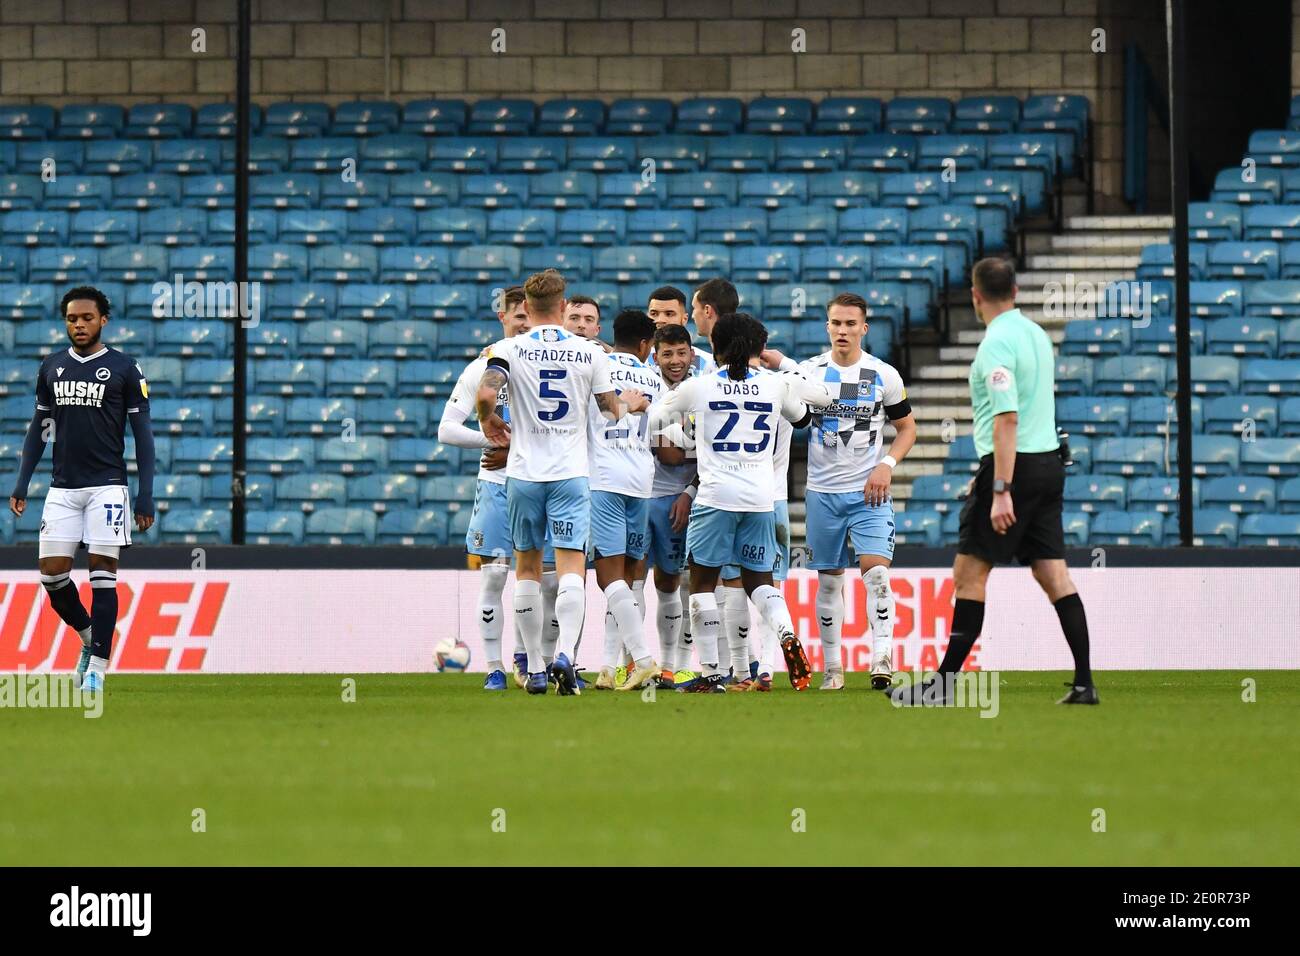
(102, 374)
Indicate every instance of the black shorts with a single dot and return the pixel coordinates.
(1038, 487)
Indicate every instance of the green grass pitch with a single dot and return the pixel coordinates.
(420, 767)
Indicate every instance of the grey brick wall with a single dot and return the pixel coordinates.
(128, 51)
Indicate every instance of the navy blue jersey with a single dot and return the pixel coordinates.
(89, 399)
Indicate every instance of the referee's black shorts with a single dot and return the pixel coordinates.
(1038, 487)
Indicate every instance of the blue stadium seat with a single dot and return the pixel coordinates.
(1273, 531)
(871, 226)
(26, 122)
(1093, 494)
(563, 190)
(911, 190)
(403, 340)
(742, 154)
(181, 416)
(494, 191)
(277, 263)
(79, 192)
(882, 152)
(434, 117)
(218, 120)
(1129, 456)
(451, 227)
(382, 225)
(773, 190)
(21, 192)
(393, 418)
(441, 301)
(133, 263)
(364, 301)
(173, 227)
(673, 154)
(794, 225)
(602, 154)
(779, 115)
(573, 261)
(1231, 186)
(379, 492)
(986, 114)
(1144, 528)
(34, 228)
(170, 490)
(90, 121)
(413, 264)
(733, 226)
(365, 118)
(1240, 494)
(661, 226)
(363, 193)
(913, 264)
(965, 153)
(1159, 493)
(849, 114)
(713, 115)
(207, 339)
(627, 264)
(940, 493)
(591, 227)
(303, 491)
(1158, 415)
(424, 190)
(488, 263)
(531, 154)
(811, 154)
(917, 526)
(201, 455)
(186, 157)
(210, 377)
(1214, 527)
(300, 300)
(786, 301)
(263, 414)
(115, 157)
(76, 266)
(608, 296)
(284, 191)
(766, 264)
(165, 376)
(1093, 415)
(693, 263)
(571, 118)
(147, 191)
(639, 117)
(1277, 299)
(274, 527)
(266, 154)
(1258, 376)
(337, 338)
(1213, 221)
(1130, 375)
(35, 341)
(316, 415)
(1215, 375)
(1288, 496)
(34, 157)
(918, 114)
(358, 455)
(702, 190)
(293, 377)
(195, 526)
(1157, 261)
(522, 227)
(1267, 222)
(159, 121)
(1210, 300)
(293, 120)
(13, 265)
(208, 192)
(843, 189)
(347, 263)
(21, 301)
(836, 263)
(8, 157)
(1248, 336)
(341, 526)
(471, 155)
(629, 191)
(502, 117)
(1102, 337)
(362, 378)
(1214, 455)
(425, 527)
(1272, 457)
(956, 228)
(422, 456)
(395, 154)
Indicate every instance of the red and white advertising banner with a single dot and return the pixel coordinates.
(302, 621)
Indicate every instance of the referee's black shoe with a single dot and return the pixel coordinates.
(1080, 695)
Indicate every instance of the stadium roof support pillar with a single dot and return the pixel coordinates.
(239, 460)
(1176, 35)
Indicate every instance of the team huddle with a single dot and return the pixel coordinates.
(657, 455)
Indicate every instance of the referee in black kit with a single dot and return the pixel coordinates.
(1014, 506)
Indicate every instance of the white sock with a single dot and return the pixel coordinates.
(638, 592)
(706, 624)
(570, 608)
(631, 630)
(668, 622)
(550, 625)
(528, 622)
(880, 612)
(769, 648)
(830, 618)
(612, 648)
(737, 629)
(771, 604)
(685, 641)
(492, 581)
(97, 666)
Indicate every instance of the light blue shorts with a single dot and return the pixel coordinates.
(618, 525)
(834, 519)
(717, 538)
(561, 509)
(489, 525)
(667, 547)
(782, 565)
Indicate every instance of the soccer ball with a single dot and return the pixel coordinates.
(451, 655)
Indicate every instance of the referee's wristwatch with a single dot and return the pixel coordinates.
(1000, 486)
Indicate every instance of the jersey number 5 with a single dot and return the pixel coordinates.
(760, 425)
(547, 390)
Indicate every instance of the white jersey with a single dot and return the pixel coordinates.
(674, 479)
(465, 396)
(846, 436)
(619, 452)
(553, 374)
(735, 423)
(781, 461)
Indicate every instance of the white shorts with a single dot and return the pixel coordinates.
(100, 517)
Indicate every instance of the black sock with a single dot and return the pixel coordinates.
(967, 622)
(1075, 625)
(103, 612)
(65, 600)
